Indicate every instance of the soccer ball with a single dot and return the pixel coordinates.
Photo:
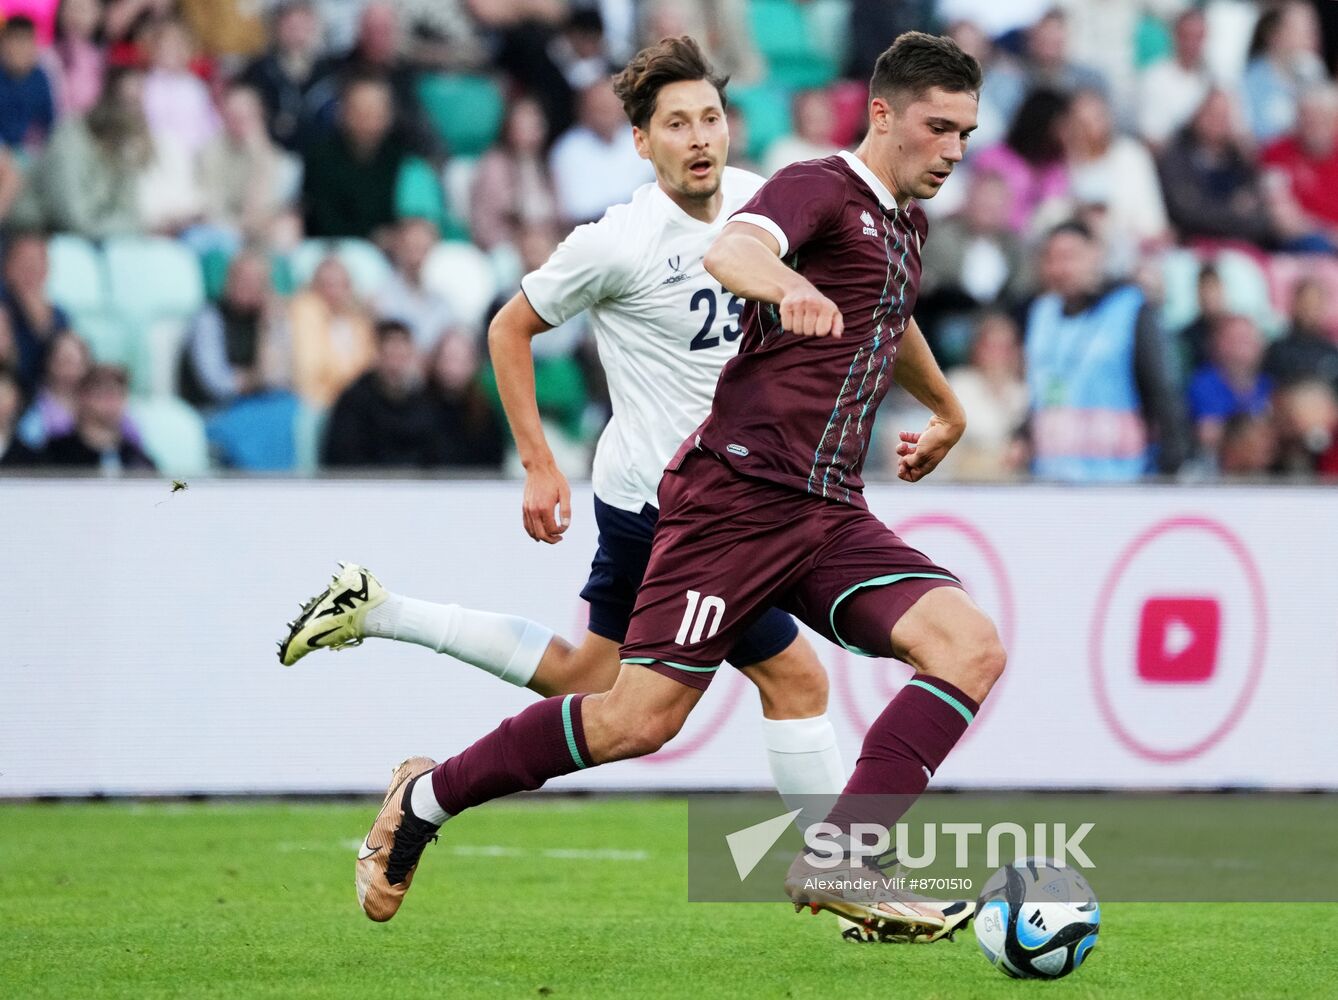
(1036, 920)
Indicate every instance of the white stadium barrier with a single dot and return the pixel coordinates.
(1159, 637)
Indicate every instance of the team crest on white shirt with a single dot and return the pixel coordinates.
(676, 266)
(867, 219)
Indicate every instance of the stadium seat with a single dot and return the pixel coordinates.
(766, 109)
(76, 279)
(462, 273)
(418, 193)
(466, 111)
(173, 435)
(152, 278)
(106, 336)
(367, 265)
(1286, 270)
(308, 432)
(1244, 280)
(783, 37)
(258, 433)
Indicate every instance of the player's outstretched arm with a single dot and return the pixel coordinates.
(919, 374)
(746, 260)
(546, 489)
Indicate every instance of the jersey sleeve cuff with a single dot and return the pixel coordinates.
(762, 222)
(535, 306)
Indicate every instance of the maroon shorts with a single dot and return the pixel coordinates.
(728, 547)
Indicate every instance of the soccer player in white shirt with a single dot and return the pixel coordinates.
(664, 328)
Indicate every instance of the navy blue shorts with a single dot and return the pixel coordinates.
(615, 576)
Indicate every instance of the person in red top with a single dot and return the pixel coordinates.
(763, 505)
(1308, 160)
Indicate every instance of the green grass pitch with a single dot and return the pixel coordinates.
(545, 897)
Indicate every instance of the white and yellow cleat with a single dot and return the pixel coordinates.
(333, 619)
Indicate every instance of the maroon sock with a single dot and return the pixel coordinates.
(544, 741)
(903, 747)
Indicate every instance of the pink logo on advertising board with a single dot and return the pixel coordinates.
(865, 686)
(1178, 636)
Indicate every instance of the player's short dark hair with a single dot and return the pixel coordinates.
(670, 61)
(388, 328)
(917, 61)
(19, 24)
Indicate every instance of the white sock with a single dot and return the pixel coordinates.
(423, 801)
(805, 764)
(503, 645)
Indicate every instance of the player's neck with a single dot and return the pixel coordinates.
(866, 157)
(702, 209)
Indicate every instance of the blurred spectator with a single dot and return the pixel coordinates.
(176, 101)
(1195, 338)
(1308, 350)
(384, 418)
(1306, 417)
(405, 299)
(89, 180)
(11, 182)
(348, 183)
(1249, 447)
(973, 262)
(1048, 62)
(595, 163)
(377, 54)
(442, 35)
(9, 350)
(874, 23)
(75, 62)
(41, 12)
(1306, 161)
(1231, 383)
(125, 20)
(719, 26)
(27, 107)
(33, 319)
(523, 35)
(231, 29)
(1103, 406)
(1284, 58)
(232, 349)
(55, 404)
(287, 73)
(997, 20)
(247, 180)
(1116, 174)
(98, 440)
(1031, 158)
(993, 392)
(739, 141)
(13, 452)
(580, 50)
(1004, 86)
(1212, 190)
(1170, 91)
(512, 187)
(332, 337)
(812, 135)
(469, 431)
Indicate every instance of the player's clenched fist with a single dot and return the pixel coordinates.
(809, 313)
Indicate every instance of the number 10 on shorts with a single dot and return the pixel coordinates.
(702, 618)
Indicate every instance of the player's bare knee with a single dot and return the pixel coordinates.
(792, 684)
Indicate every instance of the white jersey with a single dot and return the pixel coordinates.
(664, 326)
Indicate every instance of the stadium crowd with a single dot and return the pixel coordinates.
(268, 236)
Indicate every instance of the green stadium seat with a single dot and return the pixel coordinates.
(782, 34)
(152, 277)
(173, 435)
(766, 109)
(466, 111)
(418, 193)
(367, 265)
(107, 336)
(76, 279)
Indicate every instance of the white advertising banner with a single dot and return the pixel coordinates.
(1158, 637)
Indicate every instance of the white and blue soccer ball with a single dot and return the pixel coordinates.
(1037, 920)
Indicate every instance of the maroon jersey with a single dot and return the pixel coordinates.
(799, 410)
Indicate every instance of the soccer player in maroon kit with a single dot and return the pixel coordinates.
(763, 506)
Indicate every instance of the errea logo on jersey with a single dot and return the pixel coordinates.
(867, 219)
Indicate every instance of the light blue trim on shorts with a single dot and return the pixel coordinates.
(879, 581)
(965, 712)
(641, 661)
(571, 733)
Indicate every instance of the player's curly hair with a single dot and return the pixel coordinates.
(917, 61)
(670, 61)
